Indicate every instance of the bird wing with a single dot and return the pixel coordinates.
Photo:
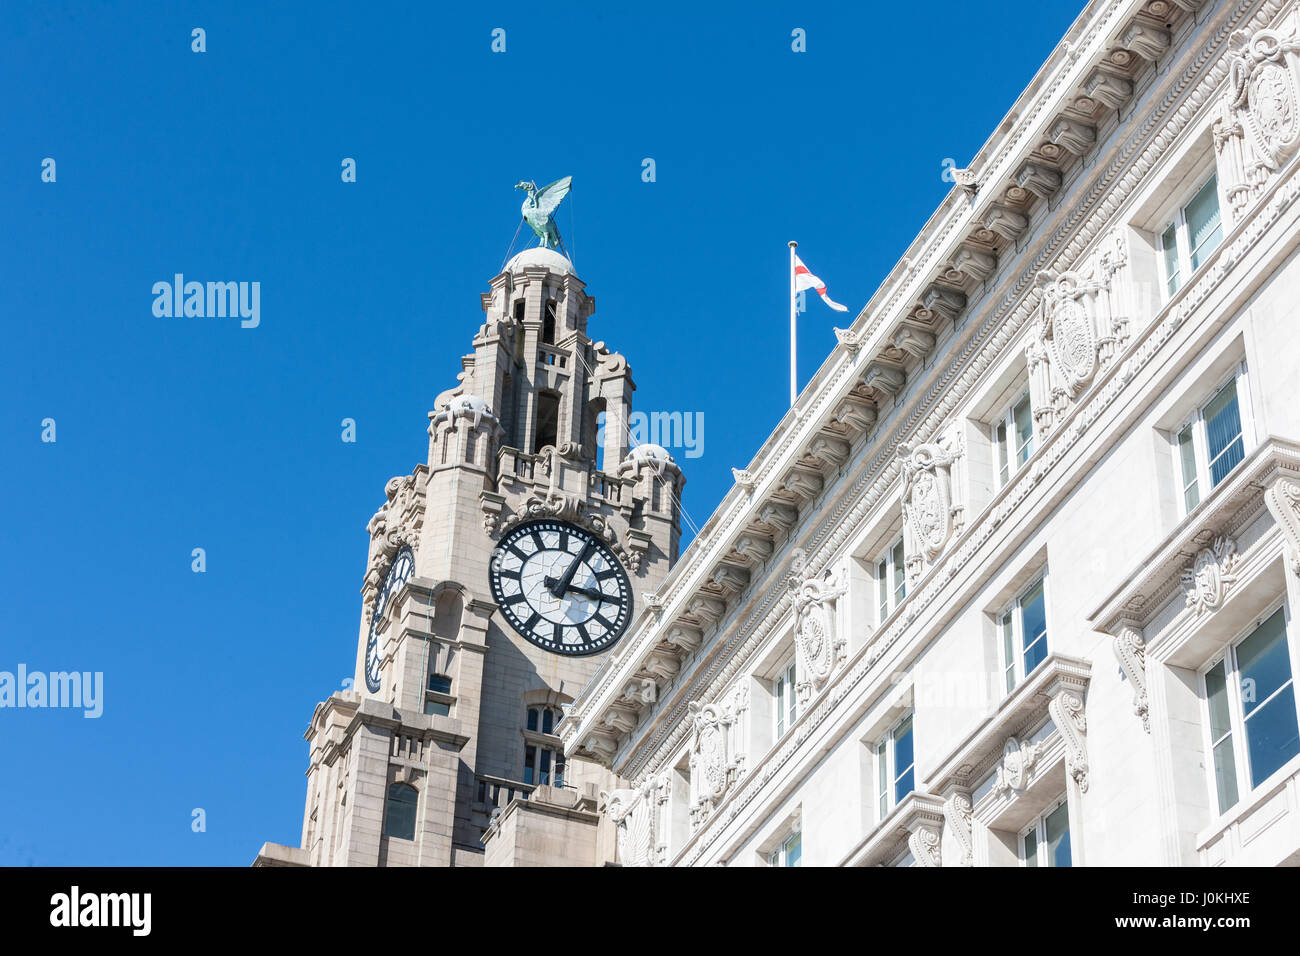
(551, 196)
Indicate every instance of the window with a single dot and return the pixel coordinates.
(1046, 842)
(1193, 235)
(1023, 629)
(399, 812)
(1252, 720)
(543, 758)
(542, 719)
(438, 699)
(895, 767)
(788, 853)
(891, 578)
(1210, 445)
(539, 763)
(548, 420)
(784, 700)
(1013, 438)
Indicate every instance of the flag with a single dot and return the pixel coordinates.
(803, 279)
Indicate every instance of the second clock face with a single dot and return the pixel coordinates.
(561, 587)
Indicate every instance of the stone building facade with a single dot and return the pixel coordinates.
(450, 732)
(1013, 582)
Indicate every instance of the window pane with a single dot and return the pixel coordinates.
(532, 719)
(903, 772)
(1056, 827)
(439, 684)
(1225, 764)
(882, 576)
(1024, 431)
(1187, 454)
(900, 573)
(544, 776)
(530, 758)
(1033, 618)
(1009, 651)
(1263, 662)
(437, 708)
(780, 705)
(1204, 231)
(1169, 243)
(1272, 737)
(1000, 439)
(882, 781)
(399, 814)
(1223, 433)
(793, 850)
(548, 720)
(1031, 848)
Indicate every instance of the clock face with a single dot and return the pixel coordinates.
(559, 586)
(399, 573)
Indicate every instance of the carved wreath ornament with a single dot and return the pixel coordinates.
(1263, 89)
(927, 493)
(1211, 575)
(816, 645)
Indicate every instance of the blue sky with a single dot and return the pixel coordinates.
(174, 434)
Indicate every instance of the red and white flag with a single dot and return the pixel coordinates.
(803, 279)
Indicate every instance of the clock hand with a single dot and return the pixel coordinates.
(560, 586)
(595, 595)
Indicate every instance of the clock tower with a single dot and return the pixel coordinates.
(499, 573)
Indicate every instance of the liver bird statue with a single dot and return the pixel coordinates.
(538, 208)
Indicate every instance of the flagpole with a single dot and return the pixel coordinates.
(794, 313)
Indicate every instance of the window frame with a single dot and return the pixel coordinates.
(390, 801)
(1038, 827)
(1195, 420)
(438, 698)
(1015, 668)
(890, 571)
(543, 744)
(780, 856)
(1006, 419)
(1236, 713)
(886, 775)
(1182, 241)
(785, 700)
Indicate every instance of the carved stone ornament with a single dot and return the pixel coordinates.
(1259, 124)
(744, 478)
(716, 758)
(633, 813)
(926, 846)
(709, 751)
(1262, 82)
(817, 647)
(1283, 501)
(927, 494)
(957, 814)
(1017, 761)
(1130, 651)
(1067, 329)
(1066, 710)
(1211, 575)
